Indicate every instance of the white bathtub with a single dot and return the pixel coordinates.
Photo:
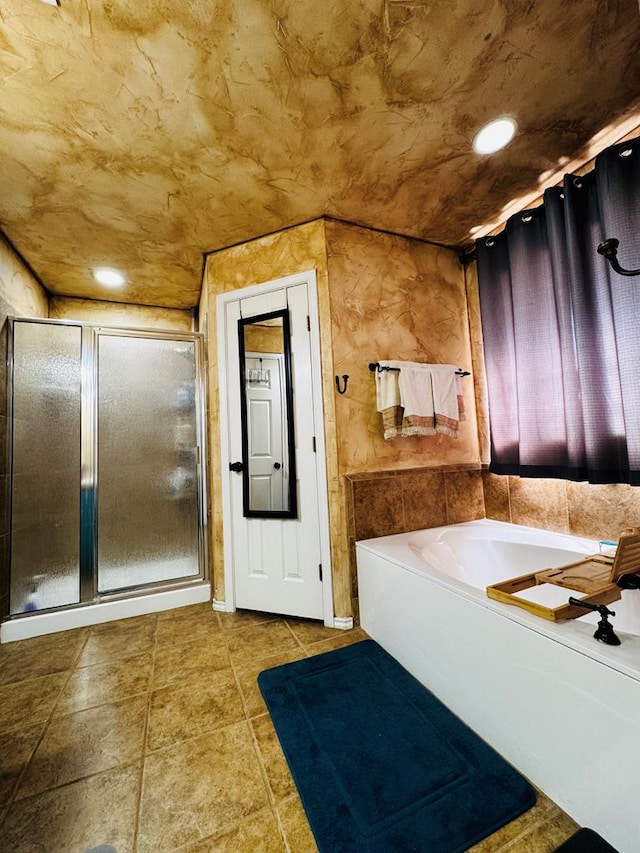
(559, 705)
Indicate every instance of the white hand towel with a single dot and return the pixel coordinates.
(416, 396)
(388, 399)
(446, 387)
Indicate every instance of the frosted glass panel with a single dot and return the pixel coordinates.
(45, 540)
(147, 461)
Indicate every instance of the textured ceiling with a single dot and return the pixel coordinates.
(143, 133)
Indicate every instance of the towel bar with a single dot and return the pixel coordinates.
(374, 365)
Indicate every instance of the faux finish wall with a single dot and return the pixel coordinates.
(380, 296)
(120, 314)
(288, 252)
(394, 298)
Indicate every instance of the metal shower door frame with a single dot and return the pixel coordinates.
(88, 475)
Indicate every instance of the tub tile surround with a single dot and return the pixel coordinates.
(582, 509)
(386, 502)
(156, 777)
(383, 503)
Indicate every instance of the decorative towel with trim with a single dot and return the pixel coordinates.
(416, 396)
(447, 399)
(388, 398)
(420, 399)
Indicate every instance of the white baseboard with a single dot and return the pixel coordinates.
(343, 623)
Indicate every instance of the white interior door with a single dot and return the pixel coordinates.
(277, 562)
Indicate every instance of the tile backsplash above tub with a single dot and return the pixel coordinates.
(382, 503)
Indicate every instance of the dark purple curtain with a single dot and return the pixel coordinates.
(562, 330)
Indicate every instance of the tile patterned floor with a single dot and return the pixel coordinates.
(150, 735)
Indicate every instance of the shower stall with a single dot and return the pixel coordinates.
(106, 453)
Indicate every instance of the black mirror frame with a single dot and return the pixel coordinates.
(292, 512)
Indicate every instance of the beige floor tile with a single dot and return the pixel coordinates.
(89, 686)
(269, 638)
(257, 835)
(77, 817)
(58, 640)
(295, 826)
(245, 618)
(275, 764)
(182, 711)
(512, 833)
(16, 748)
(29, 701)
(307, 631)
(199, 788)
(545, 837)
(86, 743)
(247, 676)
(189, 610)
(202, 625)
(189, 660)
(123, 626)
(210, 777)
(341, 639)
(40, 655)
(124, 638)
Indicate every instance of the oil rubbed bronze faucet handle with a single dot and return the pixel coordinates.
(604, 631)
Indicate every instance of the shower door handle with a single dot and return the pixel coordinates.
(236, 466)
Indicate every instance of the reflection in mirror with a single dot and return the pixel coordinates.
(268, 453)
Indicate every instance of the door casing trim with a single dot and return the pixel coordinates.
(307, 277)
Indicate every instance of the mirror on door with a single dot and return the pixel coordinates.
(266, 397)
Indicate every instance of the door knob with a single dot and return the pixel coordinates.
(277, 466)
(236, 466)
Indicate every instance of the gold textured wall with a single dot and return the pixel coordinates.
(394, 298)
(380, 296)
(19, 289)
(263, 339)
(397, 298)
(288, 252)
(120, 314)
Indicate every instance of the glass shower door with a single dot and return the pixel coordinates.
(147, 461)
(45, 482)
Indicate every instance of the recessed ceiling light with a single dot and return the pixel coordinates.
(109, 277)
(494, 136)
(52, 2)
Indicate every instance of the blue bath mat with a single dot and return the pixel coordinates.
(381, 765)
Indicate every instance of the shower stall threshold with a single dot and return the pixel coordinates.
(38, 624)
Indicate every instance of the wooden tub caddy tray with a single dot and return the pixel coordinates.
(591, 580)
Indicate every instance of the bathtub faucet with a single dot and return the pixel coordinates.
(604, 631)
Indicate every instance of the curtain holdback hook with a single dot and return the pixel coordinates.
(609, 248)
